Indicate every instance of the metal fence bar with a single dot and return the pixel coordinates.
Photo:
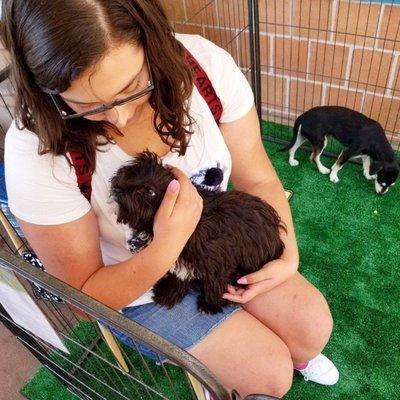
(254, 29)
(111, 318)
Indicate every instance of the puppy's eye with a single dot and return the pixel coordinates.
(151, 192)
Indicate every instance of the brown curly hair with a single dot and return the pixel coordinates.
(52, 42)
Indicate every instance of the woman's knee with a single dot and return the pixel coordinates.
(279, 375)
(269, 373)
(316, 331)
(259, 361)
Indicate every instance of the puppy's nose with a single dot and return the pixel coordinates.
(383, 191)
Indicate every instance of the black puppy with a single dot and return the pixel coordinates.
(362, 136)
(237, 233)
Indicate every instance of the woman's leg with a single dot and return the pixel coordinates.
(298, 313)
(247, 356)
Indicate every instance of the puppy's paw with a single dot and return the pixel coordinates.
(169, 291)
(293, 163)
(369, 177)
(163, 300)
(324, 170)
(208, 308)
(333, 178)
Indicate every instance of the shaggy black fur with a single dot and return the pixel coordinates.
(237, 233)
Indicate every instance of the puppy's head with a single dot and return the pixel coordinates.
(386, 174)
(138, 188)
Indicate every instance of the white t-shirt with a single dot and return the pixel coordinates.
(42, 189)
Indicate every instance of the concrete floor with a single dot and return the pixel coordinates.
(17, 365)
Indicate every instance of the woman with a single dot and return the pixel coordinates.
(109, 79)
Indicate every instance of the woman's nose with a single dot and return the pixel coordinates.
(118, 116)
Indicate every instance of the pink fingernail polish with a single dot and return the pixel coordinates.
(243, 281)
(173, 185)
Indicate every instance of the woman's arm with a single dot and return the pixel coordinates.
(71, 251)
(253, 172)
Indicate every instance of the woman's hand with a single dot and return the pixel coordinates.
(178, 214)
(270, 275)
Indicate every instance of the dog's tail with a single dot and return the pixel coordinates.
(296, 130)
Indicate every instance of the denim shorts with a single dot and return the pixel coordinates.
(183, 324)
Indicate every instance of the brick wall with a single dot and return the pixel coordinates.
(313, 52)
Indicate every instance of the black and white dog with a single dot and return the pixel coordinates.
(362, 136)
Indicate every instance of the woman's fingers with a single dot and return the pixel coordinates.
(180, 210)
(235, 290)
(170, 197)
(189, 192)
(258, 276)
(188, 197)
(243, 295)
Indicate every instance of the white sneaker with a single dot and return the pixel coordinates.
(320, 370)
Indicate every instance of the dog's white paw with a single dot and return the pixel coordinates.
(324, 170)
(333, 178)
(293, 163)
(369, 177)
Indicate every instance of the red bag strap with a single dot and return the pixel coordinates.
(83, 175)
(206, 89)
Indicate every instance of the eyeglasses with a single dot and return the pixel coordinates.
(67, 113)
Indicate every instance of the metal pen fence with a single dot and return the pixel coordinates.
(90, 370)
(299, 54)
(329, 52)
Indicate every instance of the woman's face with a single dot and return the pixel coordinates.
(121, 73)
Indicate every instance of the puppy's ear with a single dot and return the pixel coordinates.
(375, 167)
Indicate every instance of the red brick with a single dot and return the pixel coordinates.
(244, 49)
(174, 9)
(304, 95)
(275, 16)
(384, 110)
(220, 36)
(290, 56)
(394, 139)
(328, 62)
(232, 14)
(265, 47)
(344, 98)
(202, 12)
(390, 28)
(311, 18)
(189, 28)
(370, 70)
(396, 80)
(357, 23)
(273, 91)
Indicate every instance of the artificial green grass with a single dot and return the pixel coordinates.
(349, 244)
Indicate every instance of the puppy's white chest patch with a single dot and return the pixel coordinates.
(182, 272)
